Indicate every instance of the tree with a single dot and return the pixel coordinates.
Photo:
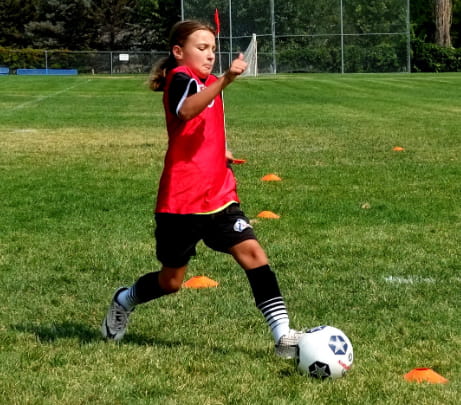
(456, 25)
(144, 24)
(60, 24)
(443, 19)
(133, 24)
(422, 19)
(14, 15)
(151, 24)
(112, 19)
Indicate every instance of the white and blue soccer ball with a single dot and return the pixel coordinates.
(325, 352)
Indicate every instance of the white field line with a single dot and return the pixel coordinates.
(414, 280)
(41, 98)
(23, 131)
(409, 280)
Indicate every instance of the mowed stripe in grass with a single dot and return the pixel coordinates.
(368, 240)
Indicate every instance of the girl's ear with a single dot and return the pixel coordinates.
(177, 52)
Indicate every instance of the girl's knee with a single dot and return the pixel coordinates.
(249, 254)
(171, 279)
(171, 286)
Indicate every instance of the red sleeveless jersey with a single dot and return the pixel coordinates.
(196, 177)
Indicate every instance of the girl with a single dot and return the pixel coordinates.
(197, 198)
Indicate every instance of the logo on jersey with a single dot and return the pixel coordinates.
(240, 225)
(200, 87)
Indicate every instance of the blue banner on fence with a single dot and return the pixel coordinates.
(54, 72)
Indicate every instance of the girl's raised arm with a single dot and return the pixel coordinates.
(196, 103)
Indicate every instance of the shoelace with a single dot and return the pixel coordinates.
(290, 339)
(118, 317)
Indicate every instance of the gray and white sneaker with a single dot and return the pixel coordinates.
(116, 320)
(287, 346)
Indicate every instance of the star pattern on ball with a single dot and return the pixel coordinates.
(316, 329)
(338, 345)
(319, 370)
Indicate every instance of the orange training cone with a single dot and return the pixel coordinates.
(271, 177)
(268, 214)
(398, 149)
(425, 375)
(200, 282)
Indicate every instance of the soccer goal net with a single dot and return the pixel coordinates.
(251, 57)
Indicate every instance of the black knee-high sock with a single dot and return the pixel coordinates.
(269, 300)
(147, 288)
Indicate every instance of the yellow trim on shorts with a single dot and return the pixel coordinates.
(217, 210)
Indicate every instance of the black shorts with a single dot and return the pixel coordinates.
(177, 235)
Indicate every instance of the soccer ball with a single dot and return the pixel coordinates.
(324, 352)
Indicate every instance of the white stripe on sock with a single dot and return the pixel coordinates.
(126, 299)
(276, 315)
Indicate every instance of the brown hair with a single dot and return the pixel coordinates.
(178, 36)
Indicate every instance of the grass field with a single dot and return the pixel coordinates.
(369, 240)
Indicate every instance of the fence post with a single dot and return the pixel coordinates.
(230, 31)
(408, 38)
(274, 59)
(342, 36)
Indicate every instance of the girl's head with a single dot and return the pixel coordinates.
(192, 43)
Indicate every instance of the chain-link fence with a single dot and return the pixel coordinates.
(91, 62)
(339, 36)
(312, 35)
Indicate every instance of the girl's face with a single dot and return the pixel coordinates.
(198, 53)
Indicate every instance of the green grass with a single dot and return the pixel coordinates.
(368, 241)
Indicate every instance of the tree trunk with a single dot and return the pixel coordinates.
(443, 18)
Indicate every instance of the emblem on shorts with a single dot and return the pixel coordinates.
(240, 225)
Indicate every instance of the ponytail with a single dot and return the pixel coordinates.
(159, 72)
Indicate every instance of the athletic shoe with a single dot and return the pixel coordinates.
(114, 324)
(287, 346)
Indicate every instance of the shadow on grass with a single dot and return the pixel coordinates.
(200, 346)
(63, 330)
(86, 334)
